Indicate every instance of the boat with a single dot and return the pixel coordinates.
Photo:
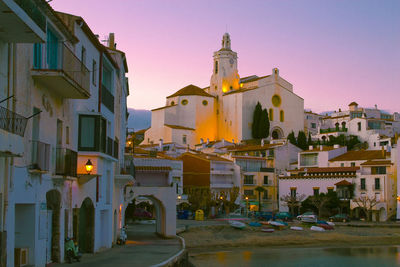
(264, 223)
(255, 224)
(330, 223)
(296, 228)
(237, 224)
(317, 228)
(326, 226)
(275, 223)
(267, 230)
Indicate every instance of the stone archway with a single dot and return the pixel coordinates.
(277, 133)
(86, 226)
(53, 200)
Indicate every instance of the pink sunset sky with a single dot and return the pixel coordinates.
(333, 52)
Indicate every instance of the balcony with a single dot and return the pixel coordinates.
(40, 157)
(66, 162)
(107, 99)
(21, 22)
(222, 171)
(12, 122)
(68, 79)
(267, 169)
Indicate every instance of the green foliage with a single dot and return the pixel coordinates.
(256, 121)
(351, 141)
(292, 138)
(302, 140)
(322, 204)
(309, 141)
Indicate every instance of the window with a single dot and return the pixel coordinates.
(276, 100)
(352, 164)
(184, 102)
(313, 125)
(359, 126)
(216, 67)
(52, 50)
(282, 116)
(107, 77)
(265, 179)
(172, 103)
(94, 72)
(378, 170)
(271, 114)
(184, 140)
(205, 102)
(265, 195)
(377, 183)
(316, 191)
(83, 57)
(362, 186)
(248, 192)
(293, 192)
(67, 135)
(37, 56)
(248, 179)
(309, 159)
(341, 164)
(337, 126)
(330, 189)
(92, 133)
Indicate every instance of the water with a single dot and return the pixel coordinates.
(326, 257)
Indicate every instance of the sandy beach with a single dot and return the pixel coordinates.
(224, 236)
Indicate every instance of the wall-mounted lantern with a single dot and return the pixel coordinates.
(88, 166)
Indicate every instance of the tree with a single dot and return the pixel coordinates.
(259, 189)
(319, 201)
(302, 140)
(292, 138)
(309, 142)
(256, 121)
(263, 130)
(366, 204)
(292, 201)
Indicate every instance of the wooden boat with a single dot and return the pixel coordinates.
(267, 230)
(296, 228)
(317, 228)
(237, 225)
(326, 226)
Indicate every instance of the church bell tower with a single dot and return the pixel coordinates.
(225, 77)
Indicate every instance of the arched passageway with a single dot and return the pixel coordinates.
(86, 226)
(53, 200)
(276, 133)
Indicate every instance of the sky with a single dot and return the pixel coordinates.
(333, 52)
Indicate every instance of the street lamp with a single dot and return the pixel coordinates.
(247, 206)
(179, 197)
(88, 166)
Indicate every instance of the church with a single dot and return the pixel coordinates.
(224, 110)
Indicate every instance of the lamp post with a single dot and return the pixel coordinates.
(247, 206)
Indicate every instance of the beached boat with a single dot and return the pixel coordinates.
(317, 228)
(296, 228)
(237, 225)
(326, 226)
(267, 230)
(255, 224)
(264, 223)
(279, 224)
(330, 223)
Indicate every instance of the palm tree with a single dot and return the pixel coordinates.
(259, 189)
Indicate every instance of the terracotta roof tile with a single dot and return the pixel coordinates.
(317, 149)
(163, 107)
(343, 183)
(376, 162)
(178, 127)
(238, 148)
(360, 155)
(190, 90)
(327, 169)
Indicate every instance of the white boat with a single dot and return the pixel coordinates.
(274, 223)
(267, 230)
(237, 225)
(317, 228)
(296, 228)
(330, 223)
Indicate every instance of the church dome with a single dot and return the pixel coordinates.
(190, 90)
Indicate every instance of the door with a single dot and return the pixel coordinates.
(52, 50)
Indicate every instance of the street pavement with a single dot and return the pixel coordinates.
(143, 248)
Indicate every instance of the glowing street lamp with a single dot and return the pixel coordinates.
(88, 166)
(179, 197)
(247, 206)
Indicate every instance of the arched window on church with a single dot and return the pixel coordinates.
(271, 114)
(216, 67)
(282, 116)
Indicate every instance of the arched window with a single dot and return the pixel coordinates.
(172, 103)
(282, 116)
(337, 126)
(343, 125)
(271, 114)
(216, 67)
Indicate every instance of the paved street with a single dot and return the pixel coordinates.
(144, 248)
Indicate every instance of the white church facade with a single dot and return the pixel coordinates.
(224, 110)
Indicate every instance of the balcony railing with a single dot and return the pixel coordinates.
(66, 162)
(12, 122)
(40, 156)
(267, 169)
(107, 98)
(33, 12)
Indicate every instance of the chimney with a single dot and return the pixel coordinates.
(233, 141)
(208, 141)
(201, 141)
(262, 142)
(310, 147)
(223, 142)
(111, 40)
(161, 144)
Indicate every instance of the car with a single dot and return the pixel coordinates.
(264, 215)
(308, 216)
(283, 215)
(341, 217)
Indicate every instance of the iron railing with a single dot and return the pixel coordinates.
(66, 162)
(40, 156)
(33, 12)
(107, 98)
(12, 122)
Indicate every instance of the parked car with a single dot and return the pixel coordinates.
(308, 216)
(264, 215)
(143, 214)
(341, 217)
(283, 215)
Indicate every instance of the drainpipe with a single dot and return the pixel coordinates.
(100, 78)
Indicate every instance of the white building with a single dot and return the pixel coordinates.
(224, 110)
